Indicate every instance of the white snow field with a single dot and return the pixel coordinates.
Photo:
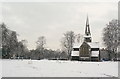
(0, 68)
(57, 68)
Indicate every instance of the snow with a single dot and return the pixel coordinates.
(91, 44)
(0, 69)
(87, 36)
(75, 53)
(94, 44)
(95, 53)
(77, 45)
(57, 68)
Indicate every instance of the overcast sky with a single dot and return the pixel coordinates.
(50, 19)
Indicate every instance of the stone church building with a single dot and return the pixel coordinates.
(87, 50)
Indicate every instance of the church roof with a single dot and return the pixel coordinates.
(95, 53)
(75, 53)
(77, 45)
(94, 44)
(91, 44)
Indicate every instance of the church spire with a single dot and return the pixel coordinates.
(87, 21)
(87, 30)
(87, 37)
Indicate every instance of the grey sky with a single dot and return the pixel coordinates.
(51, 20)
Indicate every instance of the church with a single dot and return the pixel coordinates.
(87, 50)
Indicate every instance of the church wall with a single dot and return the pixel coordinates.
(84, 50)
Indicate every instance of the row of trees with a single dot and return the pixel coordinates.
(67, 42)
(12, 48)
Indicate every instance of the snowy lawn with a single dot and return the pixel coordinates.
(0, 69)
(57, 68)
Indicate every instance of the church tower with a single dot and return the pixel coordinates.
(87, 37)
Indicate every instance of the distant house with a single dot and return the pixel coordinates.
(87, 50)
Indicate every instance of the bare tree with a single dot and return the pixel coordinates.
(68, 41)
(79, 38)
(41, 42)
(41, 46)
(25, 50)
(111, 36)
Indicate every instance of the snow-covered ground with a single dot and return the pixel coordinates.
(0, 69)
(57, 68)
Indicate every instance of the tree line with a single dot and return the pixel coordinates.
(111, 38)
(10, 47)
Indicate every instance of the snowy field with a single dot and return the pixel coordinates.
(0, 69)
(57, 68)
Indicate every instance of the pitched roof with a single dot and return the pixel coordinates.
(91, 44)
(95, 53)
(77, 45)
(94, 44)
(75, 53)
